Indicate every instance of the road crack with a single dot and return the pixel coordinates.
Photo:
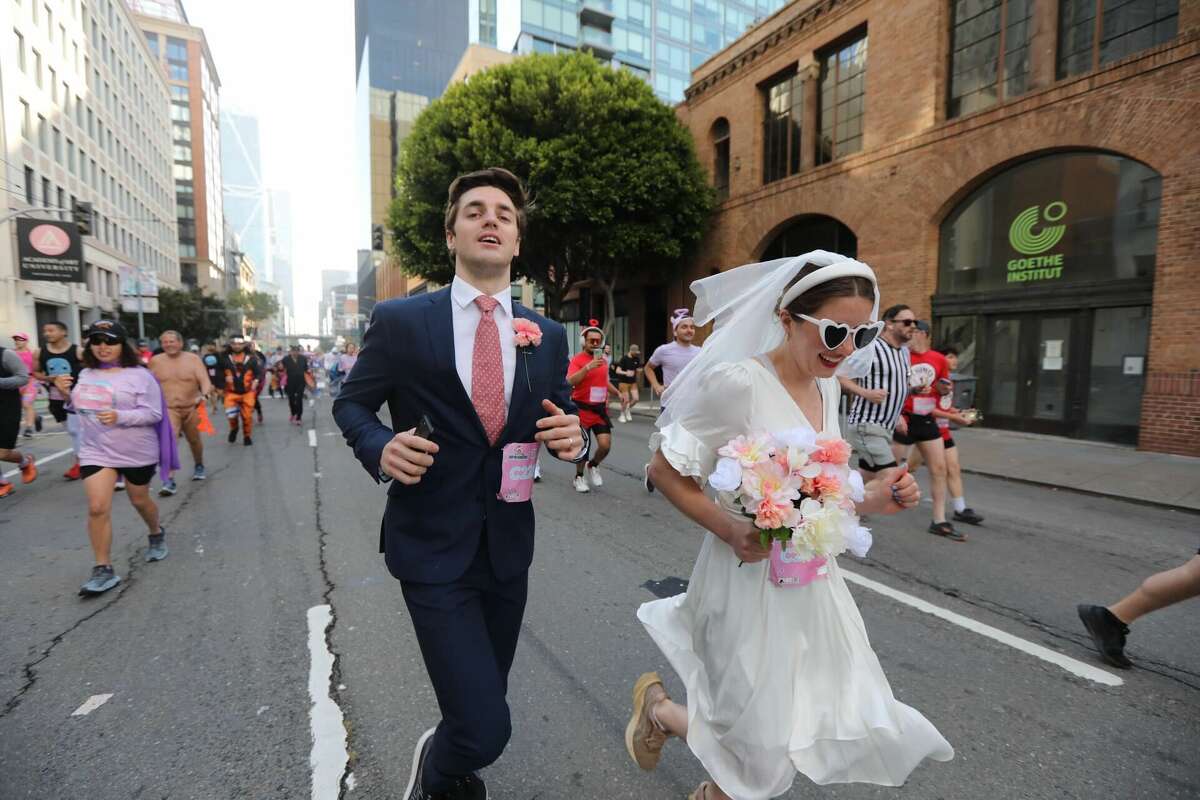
(134, 565)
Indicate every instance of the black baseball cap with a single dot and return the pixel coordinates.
(108, 328)
(923, 326)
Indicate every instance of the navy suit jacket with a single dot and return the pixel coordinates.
(430, 531)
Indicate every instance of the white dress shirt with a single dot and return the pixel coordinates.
(466, 317)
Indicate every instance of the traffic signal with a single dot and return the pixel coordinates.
(377, 237)
(81, 214)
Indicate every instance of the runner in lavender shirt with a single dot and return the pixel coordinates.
(672, 357)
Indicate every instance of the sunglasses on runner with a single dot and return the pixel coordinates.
(102, 338)
(908, 323)
(834, 333)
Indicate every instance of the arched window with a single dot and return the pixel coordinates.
(812, 232)
(1066, 218)
(720, 140)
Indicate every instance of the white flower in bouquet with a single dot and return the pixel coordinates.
(858, 491)
(824, 528)
(802, 438)
(859, 541)
(727, 477)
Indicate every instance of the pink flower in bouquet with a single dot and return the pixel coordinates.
(527, 333)
(825, 485)
(770, 479)
(831, 450)
(750, 451)
(773, 511)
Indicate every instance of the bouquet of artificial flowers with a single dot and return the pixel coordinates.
(800, 491)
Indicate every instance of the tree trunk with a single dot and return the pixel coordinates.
(609, 284)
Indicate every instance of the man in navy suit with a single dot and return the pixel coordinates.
(460, 552)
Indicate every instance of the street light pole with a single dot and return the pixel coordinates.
(141, 320)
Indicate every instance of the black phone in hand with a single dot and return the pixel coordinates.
(425, 427)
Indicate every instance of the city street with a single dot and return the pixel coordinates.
(206, 656)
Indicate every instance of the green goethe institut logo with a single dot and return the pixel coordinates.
(1037, 265)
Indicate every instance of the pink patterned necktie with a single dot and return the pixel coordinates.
(487, 371)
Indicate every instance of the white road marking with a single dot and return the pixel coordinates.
(91, 704)
(1071, 665)
(316, 474)
(41, 461)
(312, 437)
(329, 757)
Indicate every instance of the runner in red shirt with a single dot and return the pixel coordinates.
(929, 379)
(588, 375)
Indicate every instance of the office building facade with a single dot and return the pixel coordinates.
(85, 117)
(195, 109)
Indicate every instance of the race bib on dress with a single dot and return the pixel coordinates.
(91, 398)
(518, 461)
(598, 394)
(790, 569)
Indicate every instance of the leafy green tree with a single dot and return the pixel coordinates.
(193, 313)
(254, 306)
(616, 185)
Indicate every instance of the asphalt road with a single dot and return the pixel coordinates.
(206, 654)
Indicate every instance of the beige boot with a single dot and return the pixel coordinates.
(701, 792)
(643, 738)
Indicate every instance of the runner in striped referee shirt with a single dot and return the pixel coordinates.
(877, 400)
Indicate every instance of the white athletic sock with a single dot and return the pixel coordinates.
(960, 504)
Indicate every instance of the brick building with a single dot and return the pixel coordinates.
(1024, 172)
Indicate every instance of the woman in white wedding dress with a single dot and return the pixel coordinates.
(779, 680)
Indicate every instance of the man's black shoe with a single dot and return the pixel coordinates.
(469, 788)
(947, 530)
(1108, 634)
(968, 516)
(247, 441)
(233, 436)
(414, 790)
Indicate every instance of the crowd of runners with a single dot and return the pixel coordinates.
(124, 404)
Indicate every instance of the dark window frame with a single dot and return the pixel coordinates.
(782, 127)
(1096, 41)
(828, 149)
(721, 158)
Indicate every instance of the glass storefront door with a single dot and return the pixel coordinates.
(1028, 370)
(1066, 373)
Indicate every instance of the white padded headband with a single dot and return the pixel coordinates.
(840, 269)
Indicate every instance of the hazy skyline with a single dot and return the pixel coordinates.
(295, 72)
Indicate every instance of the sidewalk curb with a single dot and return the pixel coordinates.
(1141, 501)
(1193, 510)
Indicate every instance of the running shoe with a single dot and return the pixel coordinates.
(27, 433)
(593, 474)
(947, 530)
(247, 441)
(168, 488)
(581, 484)
(103, 578)
(73, 473)
(37, 423)
(29, 470)
(1108, 634)
(198, 474)
(157, 549)
(968, 516)
(119, 486)
(649, 484)
(233, 435)
(6, 489)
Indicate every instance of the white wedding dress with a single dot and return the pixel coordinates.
(779, 680)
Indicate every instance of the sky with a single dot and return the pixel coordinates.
(294, 70)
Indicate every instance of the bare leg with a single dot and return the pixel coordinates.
(139, 498)
(12, 456)
(953, 473)
(915, 461)
(99, 489)
(934, 453)
(673, 718)
(1159, 591)
(603, 446)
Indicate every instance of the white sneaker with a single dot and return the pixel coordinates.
(594, 474)
(624, 417)
(581, 485)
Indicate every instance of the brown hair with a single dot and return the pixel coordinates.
(128, 358)
(498, 177)
(808, 302)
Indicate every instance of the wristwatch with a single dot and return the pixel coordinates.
(587, 440)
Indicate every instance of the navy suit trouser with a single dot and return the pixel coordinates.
(467, 631)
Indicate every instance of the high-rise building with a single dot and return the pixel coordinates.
(660, 40)
(84, 117)
(281, 245)
(247, 200)
(195, 88)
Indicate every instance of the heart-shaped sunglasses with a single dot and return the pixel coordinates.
(834, 333)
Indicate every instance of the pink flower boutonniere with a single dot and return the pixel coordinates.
(528, 334)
